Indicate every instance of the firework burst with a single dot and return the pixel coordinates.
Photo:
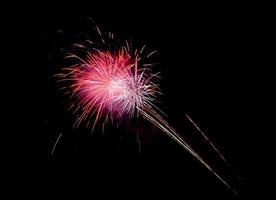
(116, 82)
(109, 84)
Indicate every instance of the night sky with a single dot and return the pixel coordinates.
(209, 58)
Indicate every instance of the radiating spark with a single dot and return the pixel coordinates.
(54, 147)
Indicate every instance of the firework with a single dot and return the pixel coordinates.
(111, 81)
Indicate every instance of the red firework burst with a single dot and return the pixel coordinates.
(110, 84)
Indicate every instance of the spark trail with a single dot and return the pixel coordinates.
(159, 122)
(214, 147)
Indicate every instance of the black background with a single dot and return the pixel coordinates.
(213, 64)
